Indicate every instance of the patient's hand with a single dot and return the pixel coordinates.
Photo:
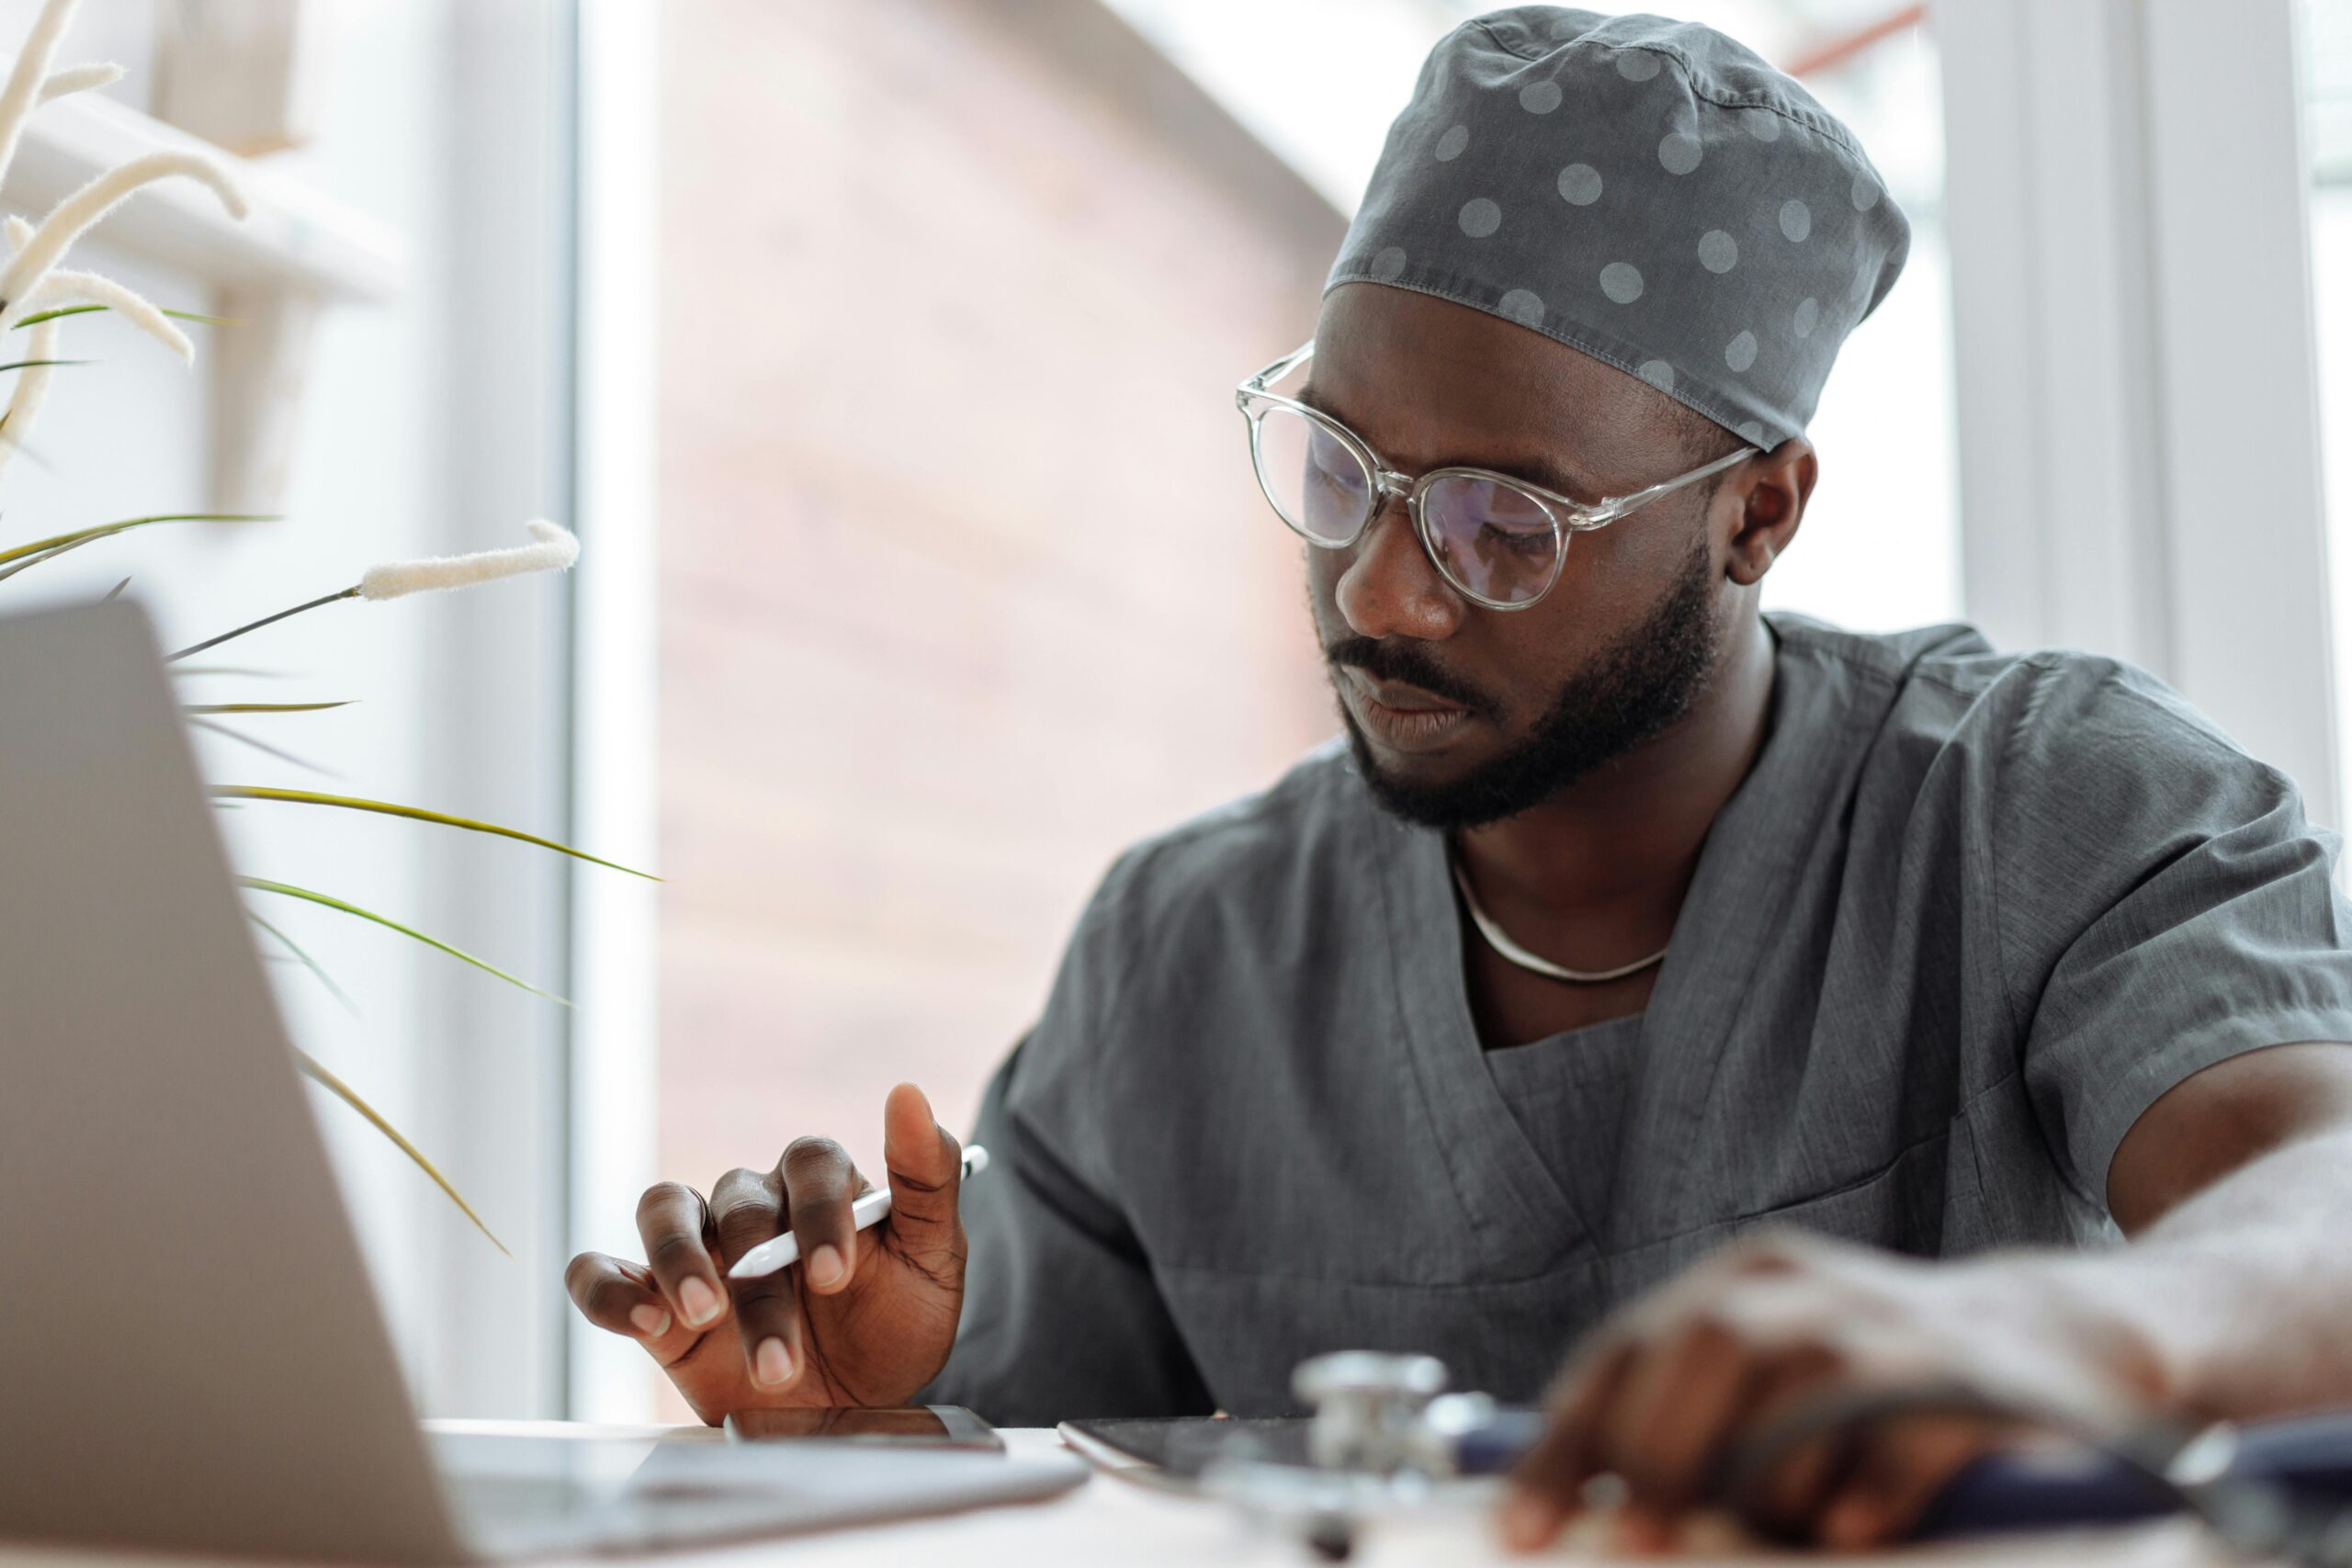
(864, 1318)
(1670, 1396)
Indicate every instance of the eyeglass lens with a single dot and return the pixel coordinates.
(1490, 539)
(1320, 487)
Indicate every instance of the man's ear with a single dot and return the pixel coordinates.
(1765, 499)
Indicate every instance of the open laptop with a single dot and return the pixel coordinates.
(191, 1355)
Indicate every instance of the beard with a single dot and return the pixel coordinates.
(1635, 690)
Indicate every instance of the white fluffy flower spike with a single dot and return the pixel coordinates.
(66, 287)
(68, 220)
(63, 287)
(30, 75)
(554, 550)
(79, 79)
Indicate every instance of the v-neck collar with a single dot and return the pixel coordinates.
(1747, 874)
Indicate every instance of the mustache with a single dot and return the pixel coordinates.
(1404, 662)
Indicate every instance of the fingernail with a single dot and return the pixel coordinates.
(652, 1321)
(699, 1299)
(1527, 1521)
(772, 1363)
(825, 1266)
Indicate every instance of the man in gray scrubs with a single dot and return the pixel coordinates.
(1625, 920)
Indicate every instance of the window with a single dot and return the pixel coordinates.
(2327, 78)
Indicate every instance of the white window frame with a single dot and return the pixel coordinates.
(494, 1076)
(615, 954)
(2140, 463)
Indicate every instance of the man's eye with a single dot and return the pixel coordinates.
(1336, 466)
(1520, 540)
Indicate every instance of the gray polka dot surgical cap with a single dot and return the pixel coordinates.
(1647, 191)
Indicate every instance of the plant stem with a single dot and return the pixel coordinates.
(350, 593)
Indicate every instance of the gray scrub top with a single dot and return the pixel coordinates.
(1967, 916)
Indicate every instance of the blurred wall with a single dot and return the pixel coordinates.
(966, 585)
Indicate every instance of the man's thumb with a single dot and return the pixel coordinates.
(924, 1164)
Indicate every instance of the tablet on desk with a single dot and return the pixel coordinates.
(1179, 1446)
(907, 1426)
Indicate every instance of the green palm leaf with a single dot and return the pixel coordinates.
(415, 813)
(260, 884)
(43, 547)
(317, 1073)
(264, 747)
(31, 364)
(262, 707)
(308, 963)
(31, 561)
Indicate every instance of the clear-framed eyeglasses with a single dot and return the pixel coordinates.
(1497, 541)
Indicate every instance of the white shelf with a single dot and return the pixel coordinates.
(294, 240)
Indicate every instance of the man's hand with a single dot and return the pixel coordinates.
(861, 1319)
(1668, 1395)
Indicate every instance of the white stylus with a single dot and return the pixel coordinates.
(783, 1251)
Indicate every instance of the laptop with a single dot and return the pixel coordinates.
(191, 1355)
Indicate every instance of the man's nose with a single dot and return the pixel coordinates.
(1391, 587)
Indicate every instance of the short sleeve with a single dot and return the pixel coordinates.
(2163, 905)
(1062, 1318)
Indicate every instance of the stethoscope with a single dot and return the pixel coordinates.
(1385, 1436)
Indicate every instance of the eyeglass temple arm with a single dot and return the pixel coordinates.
(1611, 509)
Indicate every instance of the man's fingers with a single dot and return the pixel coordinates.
(767, 1309)
(675, 1226)
(925, 1171)
(819, 1183)
(746, 1209)
(622, 1297)
(610, 1297)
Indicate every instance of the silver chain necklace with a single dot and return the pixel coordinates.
(1501, 942)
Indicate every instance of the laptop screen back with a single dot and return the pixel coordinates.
(191, 1352)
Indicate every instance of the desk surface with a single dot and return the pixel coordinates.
(1113, 1521)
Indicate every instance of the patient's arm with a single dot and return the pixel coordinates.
(2229, 1301)
(2236, 1187)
